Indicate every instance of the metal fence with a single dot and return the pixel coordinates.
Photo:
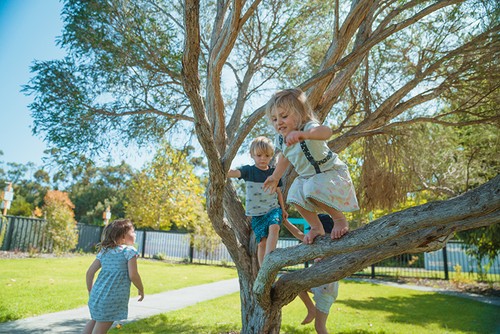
(450, 262)
(27, 234)
(24, 234)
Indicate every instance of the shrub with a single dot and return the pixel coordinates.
(61, 225)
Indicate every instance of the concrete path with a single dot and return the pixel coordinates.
(73, 321)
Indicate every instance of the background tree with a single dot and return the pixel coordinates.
(136, 71)
(92, 189)
(167, 193)
(61, 225)
(30, 184)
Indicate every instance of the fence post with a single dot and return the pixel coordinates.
(143, 243)
(445, 264)
(191, 251)
(10, 233)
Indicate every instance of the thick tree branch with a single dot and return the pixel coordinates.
(359, 11)
(472, 206)
(342, 265)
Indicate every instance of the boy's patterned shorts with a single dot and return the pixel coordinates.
(260, 224)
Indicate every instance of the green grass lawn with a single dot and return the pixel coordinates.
(361, 308)
(35, 286)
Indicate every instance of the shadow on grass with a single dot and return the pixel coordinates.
(287, 329)
(450, 313)
(7, 314)
(165, 324)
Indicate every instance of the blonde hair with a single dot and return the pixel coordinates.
(293, 100)
(262, 144)
(114, 232)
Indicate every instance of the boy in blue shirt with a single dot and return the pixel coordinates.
(266, 209)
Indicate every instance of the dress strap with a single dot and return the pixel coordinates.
(309, 157)
(280, 141)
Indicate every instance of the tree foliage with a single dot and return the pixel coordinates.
(136, 71)
(30, 184)
(484, 245)
(93, 189)
(61, 225)
(167, 193)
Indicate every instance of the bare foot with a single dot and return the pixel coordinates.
(309, 317)
(312, 234)
(340, 228)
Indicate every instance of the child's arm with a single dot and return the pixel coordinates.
(294, 230)
(321, 132)
(272, 181)
(89, 277)
(281, 201)
(234, 173)
(134, 276)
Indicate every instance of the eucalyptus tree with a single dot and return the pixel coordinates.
(136, 71)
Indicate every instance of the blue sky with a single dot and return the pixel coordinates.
(28, 30)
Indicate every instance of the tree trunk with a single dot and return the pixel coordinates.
(254, 318)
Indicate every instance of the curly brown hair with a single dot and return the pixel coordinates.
(114, 232)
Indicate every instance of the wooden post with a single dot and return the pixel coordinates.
(7, 197)
(106, 215)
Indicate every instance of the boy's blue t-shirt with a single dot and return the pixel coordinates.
(258, 202)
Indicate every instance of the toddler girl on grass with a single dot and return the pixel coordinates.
(109, 295)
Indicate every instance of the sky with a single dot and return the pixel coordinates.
(28, 32)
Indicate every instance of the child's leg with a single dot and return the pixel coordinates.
(272, 238)
(261, 250)
(313, 220)
(311, 309)
(102, 327)
(340, 226)
(320, 322)
(89, 327)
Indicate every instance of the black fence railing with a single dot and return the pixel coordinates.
(27, 234)
(20, 233)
